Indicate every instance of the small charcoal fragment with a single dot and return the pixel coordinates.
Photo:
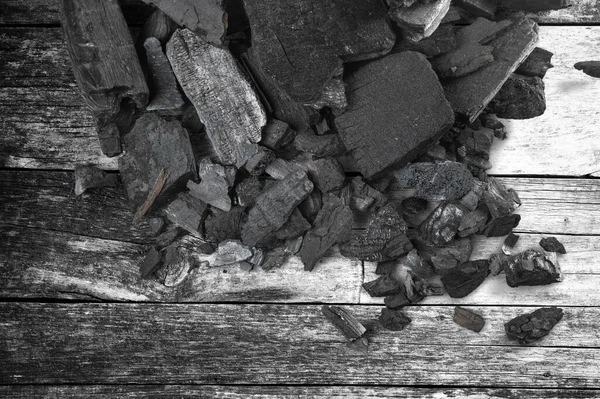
(446, 257)
(89, 176)
(311, 206)
(365, 197)
(500, 200)
(168, 236)
(509, 243)
(535, 5)
(591, 68)
(276, 134)
(383, 286)
(436, 181)
(418, 266)
(320, 145)
(537, 64)
(292, 245)
(274, 259)
(213, 187)
(479, 8)
(463, 279)
(385, 268)
(497, 263)
(229, 252)
(224, 225)
(530, 327)
(501, 226)
(393, 320)
(186, 212)
(248, 190)
(165, 95)
(468, 319)
(441, 225)
(521, 97)
(551, 244)
(344, 321)
(258, 162)
(532, 268)
(327, 174)
(258, 257)
(491, 122)
(421, 19)
(473, 222)
(150, 263)
(397, 301)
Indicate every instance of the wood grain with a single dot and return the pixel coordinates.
(274, 344)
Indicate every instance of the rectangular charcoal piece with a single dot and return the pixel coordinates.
(396, 110)
(468, 319)
(225, 101)
(479, 8)
(344, 321)
(106, 66)
(469, 95)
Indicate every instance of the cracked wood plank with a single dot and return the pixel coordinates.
(276, 344)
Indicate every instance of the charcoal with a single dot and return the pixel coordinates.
(501, 201)
(462, 61)
(444, 258)
(501, 226)
(246, 267)
(229, 252)
(167, 236)
(213, 187)
(320, 145)
(463, 279)
(591, 68)
(421, 19)
(187, 212)
(365, 197)
(177, 262)
(491, 122)
(383, 286)
(469, 95)
(206, 18)
(382, 241)
(247, 191)
(481, 31)
(497, 263)
(397, 301)
(257, 164)
(274, 259)
(224, 225)
(436, 181)
(332, 225)
(534, 5)
(257, 258)
(413, 205)
(385, 268)
(551, 244)
(156, 225)
(417, 265)
(225, 101)
(150, 263)
(311, 206)
(393, 320)
(436, 153)
(344, 321)
(521, 97)
(473, 222)
(276, 133)
(468, 319)
(479, 8)
(274, 206)
(327, 174)
(537, 64)
(509, 243)
(158, 25)
(471, 200)
(295, 226)
(279, 168)
(416, 116)
(165, 95)
(334, 93)
(477, 144)
(106, 67)
(154, 145)
(441, 41)
(530, 327)
(302, 60)
(292, 245)
(532, 268)
(89, 176)
(441, 225)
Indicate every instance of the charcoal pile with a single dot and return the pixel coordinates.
(269, 129)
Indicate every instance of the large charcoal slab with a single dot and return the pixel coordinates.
(154, 145)
(301, 44)
(206, 18)
(532, 268)
(274, 206)
(226, 103)
(469, 95)
(396, 110)
(464, 279)
(332, 225)
(105, 65)
(530, 327)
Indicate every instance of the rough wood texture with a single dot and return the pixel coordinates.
(169, 345)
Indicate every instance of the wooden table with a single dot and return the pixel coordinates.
(77, 321)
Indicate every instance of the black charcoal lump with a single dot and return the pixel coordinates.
(530, 327)
(532, 267)
(436, 181)
(464, 279)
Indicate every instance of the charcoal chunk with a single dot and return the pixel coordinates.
(224, 225)
(497, 263)
(327, 174)
(295, 226)
(446, 257)
(537, 64)
(591, 68)
(324, 145)
(257, 164)
(365, 197)
(413, 205)
(463, 279)
(521, 97)
(393, 320)
(276, 134)
(473, 222)
(248, 190)
(436, 181)
(89, 176)
(551, 244)
(416, 113)
(311, 206)
(420, 19)
(530, 327)
(165, 95)
(532, 268)
(479, 8)
(463, 60)
(344, 321)
(417, 265)
(383, 286)
(501, 226)
(441, 225)
(187, 212)
(509, 242)
(468, 319)
(213, 187)
(501, 201)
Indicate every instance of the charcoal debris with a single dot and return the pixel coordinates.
(441, 225)
(276, 133)
(220, 225)
(213, 187)
(327, 174)
(537, 64)
(468, 319)
(501, 226)
(295, 226)
(530, 327)
(532, 267)
(436, 181)
(365, 197)
(521, 97)
(321, 146)
(417, 265)
(591, 68)
(473, 222)
(383, 286)
(187, 212)
(420, 19)
(89, 176)
(311, 206)
(248, 190)
(165, 95)
(551, 244)
(509, 243)
(463, 279)
(344, 321)
(150, 263)
(500, 200)
(445, 257)
(258, 162)
(497, 263)
(393, 320)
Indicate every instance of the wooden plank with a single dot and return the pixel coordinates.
(281, 391)
(274, 344)
(47, 127)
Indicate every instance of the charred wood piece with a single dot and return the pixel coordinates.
(89, 176)
(393, 320)
(463, 279)
(344, 321)
(551, 244)
(530, 327)
(441, 225)
(532, 268)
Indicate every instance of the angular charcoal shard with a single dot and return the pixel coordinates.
(441, 225)
(150, 263)
(105, 65)
(332, 225)
(158, 25)
(535, 5)
(537, 64)
(551, 244)
(521, 97)
(227, 253)
(383, 240)
(532, 268)
(393, 320)
(311, 206)
(206, 18)
(436, 181)
(274, 206)
(385, 268)
(89, 176)
(257, 164)
(214, 185)
(327, 174)
(295, 226)
(303, 59)
(398, 104)
(154, 145)
(530, 327)
(383, 286)
(279, 168)
(501, 226)
(344, 321)
(187, 212)
(468, 319)
(509, 243)
(163, 86)
(463, 279)
(591, 68)
(421, 19)
(469, 95)
(365, 197)
(276, 134)
(225, 101)
(501, 201)
(446, 257)
(225, 225)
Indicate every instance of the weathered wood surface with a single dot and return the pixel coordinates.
(46, 126)
(278, 391)
(271, 344)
